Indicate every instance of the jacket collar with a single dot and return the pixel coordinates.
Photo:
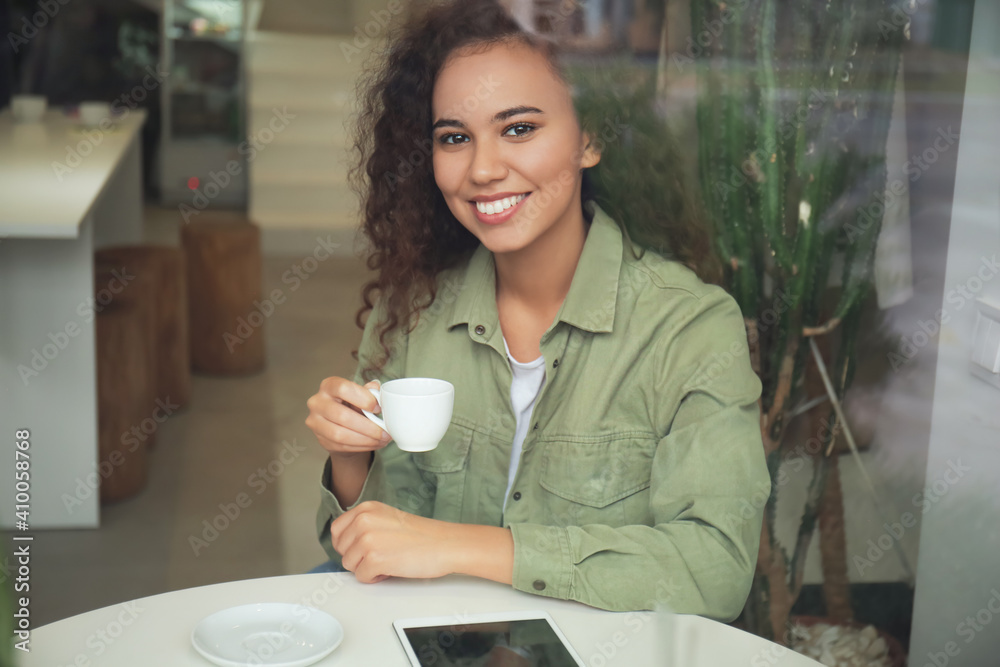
(590, 303)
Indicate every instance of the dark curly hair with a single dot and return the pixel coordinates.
(412, 233)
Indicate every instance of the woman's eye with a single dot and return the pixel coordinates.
(452, 139)
(519, 130)
(515, 130)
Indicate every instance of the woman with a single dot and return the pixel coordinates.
(605, 438)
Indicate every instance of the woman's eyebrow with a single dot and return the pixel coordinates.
(514, 111)
(498, 118)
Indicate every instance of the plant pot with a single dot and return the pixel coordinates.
(896, 654)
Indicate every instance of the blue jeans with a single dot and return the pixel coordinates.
(328, 566)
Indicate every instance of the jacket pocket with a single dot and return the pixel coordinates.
(591, 479)
(446, 468)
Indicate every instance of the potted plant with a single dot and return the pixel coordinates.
(793, 114)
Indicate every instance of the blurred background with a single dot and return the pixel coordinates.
(846, 156)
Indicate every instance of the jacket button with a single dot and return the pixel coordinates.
(539, 585)
(555, 364)
(480, 329)
(517, 495)
(536, 426)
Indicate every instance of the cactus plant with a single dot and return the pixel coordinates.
(792, 119)
(792, 115)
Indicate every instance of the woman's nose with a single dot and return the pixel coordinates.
(487, 164)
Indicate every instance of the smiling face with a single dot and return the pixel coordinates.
(508, 149)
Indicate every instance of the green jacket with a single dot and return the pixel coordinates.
(642, 478)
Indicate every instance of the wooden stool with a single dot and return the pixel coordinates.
(127, 283)
(163, 282)
(124, 385)
(224, 291)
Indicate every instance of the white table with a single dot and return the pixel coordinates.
(157, 630)
(63, 192)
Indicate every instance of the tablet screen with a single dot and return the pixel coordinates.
(509, 643)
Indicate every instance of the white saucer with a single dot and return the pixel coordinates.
(268, 633)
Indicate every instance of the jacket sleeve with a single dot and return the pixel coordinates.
(708, 487)
(392, 478)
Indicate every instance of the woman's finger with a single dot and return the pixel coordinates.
(342, 523)
(368, 572)
(353, 532)
(336, 438)
(351, 393)
(355, 421)
(338, 424)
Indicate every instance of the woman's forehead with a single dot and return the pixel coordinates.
(477, 82)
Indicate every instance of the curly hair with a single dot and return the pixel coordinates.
(411, 232)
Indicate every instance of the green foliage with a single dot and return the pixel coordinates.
(793, 113)
(640, 180)
(793, 109)
(790, 150)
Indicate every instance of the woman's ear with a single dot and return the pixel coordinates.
(591, 153)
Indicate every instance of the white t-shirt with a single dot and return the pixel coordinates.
(524, 390)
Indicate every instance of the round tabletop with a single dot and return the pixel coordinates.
(157, 630)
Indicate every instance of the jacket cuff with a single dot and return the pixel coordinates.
(330, 508)
(543, 563)
(370, 491)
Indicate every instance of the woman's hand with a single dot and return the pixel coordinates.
(349, 437)
(335, 417)
(377, 541)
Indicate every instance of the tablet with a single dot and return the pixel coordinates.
(503, 638)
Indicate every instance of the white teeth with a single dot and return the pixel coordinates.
(498, 206)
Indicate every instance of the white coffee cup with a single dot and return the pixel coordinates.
(93, 114)
(416, 411)
(28, 108)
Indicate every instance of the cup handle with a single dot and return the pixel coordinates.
(377, 393)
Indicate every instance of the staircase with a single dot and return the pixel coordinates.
(302, 85)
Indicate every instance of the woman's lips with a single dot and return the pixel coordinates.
(497, 218)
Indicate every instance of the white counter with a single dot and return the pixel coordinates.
(52, 172)
(156, 630)
(63, 192)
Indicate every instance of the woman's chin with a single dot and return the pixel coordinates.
(500, 243)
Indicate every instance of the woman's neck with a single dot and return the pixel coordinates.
(538, 277)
